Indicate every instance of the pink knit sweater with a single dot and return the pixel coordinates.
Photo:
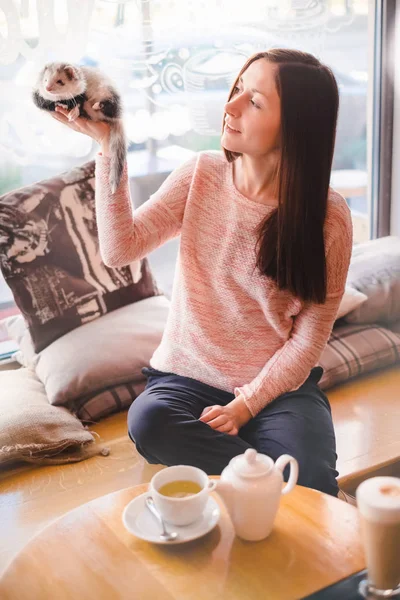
(228, 326)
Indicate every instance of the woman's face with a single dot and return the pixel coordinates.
(253, 114)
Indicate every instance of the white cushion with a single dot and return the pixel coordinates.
(17, 330)
(351, 300)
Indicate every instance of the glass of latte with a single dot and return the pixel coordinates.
(378, 501)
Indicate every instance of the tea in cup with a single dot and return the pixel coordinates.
(180, 493)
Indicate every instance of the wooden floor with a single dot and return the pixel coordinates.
(366, 414)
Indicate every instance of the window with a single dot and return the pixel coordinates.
(173, 61)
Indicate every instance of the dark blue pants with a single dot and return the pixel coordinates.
(163, 423)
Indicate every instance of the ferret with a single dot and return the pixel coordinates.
(87, 93)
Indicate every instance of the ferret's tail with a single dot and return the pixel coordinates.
(117, 152)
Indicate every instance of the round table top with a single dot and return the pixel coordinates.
(88, 554)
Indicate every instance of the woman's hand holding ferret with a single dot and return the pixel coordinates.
(97, 130)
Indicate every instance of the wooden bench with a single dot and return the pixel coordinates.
(366, 415)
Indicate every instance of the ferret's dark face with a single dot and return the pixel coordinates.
(60, 82)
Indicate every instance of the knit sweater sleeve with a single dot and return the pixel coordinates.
(125, 234)
(290, 366)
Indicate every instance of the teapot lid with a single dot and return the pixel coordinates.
(251, 463)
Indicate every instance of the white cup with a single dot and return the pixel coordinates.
(181, 511)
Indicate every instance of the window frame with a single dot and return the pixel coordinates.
(380, 113)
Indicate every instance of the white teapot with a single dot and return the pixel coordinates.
(251, 488)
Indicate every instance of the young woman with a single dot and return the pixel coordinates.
(264, 254)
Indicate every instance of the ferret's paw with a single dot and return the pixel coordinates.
(62, 105)
(73, 114)
(97, 106)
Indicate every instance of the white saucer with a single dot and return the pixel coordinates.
(138, 520)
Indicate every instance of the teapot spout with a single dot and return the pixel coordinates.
(225, 492)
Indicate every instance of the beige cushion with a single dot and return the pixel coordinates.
(32, 430)
(90, 407)
(96, 369)
(109, 351)
(375, 271)
(351, 300)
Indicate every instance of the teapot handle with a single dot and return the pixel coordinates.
(294, 471)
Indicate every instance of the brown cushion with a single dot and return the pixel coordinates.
(31, 430)
(49, 256)
(375, 271)
(354, 350)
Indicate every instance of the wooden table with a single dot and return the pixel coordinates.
(88, 554)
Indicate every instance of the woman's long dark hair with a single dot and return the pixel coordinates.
(290, 246)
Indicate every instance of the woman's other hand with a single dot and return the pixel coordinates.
(227, 419)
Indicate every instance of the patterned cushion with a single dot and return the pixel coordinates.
(49, 256)
(107, 401)
(354, 350)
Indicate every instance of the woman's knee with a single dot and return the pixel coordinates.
(147, 418)
(316, 456)
(318, 474)
(311, 444)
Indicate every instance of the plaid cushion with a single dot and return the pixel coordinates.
(354, 350)
(107, 401)
(395, 326)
